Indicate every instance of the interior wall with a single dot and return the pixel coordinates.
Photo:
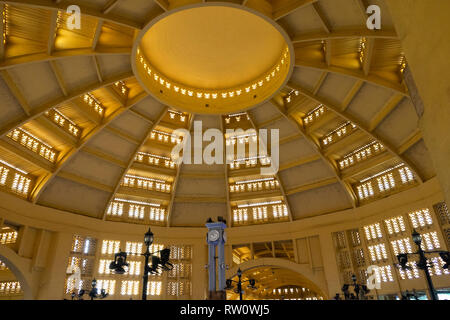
(46, 237)
(422, 28)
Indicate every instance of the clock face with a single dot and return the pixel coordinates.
(213, 235)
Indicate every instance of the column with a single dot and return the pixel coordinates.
(422, 27)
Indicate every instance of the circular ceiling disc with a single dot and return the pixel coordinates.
(212, 58)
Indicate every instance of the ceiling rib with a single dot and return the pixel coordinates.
(131, 159)
(59, 78)
(16, 92)
(350, 193)
(52, 32)
(63, 5)
(283, 194)
(98, 31)
(225, 165)
(2, 29)
(27, 155)
(36, 112)
(56, 55)
(164, 4)
(177, 178)
(39, 188)
(357, 122)
(322, 18)
(345, 34)
(353, 74)
(84, 181)
(290, 7)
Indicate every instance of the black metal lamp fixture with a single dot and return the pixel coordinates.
(120, 261)
(94, 291)
(93, 294)
(229, 283)
(422, 264)
(360, 291)
(158, 263)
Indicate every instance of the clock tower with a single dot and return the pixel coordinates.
(216, 239)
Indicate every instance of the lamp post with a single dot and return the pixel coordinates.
(422, 264)
(148, 240)
(239, 284)
(360, 290)
(93, 294)
(158, 263)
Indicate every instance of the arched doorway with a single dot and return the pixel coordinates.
(278, 279)
(14, 279)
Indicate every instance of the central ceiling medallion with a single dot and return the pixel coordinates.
(212, 58)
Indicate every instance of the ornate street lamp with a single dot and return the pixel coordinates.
(360, 291)
(120, 261)
(239, 290)
(93, 293)
(422, 264)
(158, 263)
(148, 240)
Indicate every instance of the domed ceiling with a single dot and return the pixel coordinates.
(83, 131)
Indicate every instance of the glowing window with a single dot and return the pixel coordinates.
(378, 252)
(33, 143)
(103, 266)
(412, 273)
(430, 241)
(110, 247)
(108, 285)
(421, 218)
(154, 288)
(365, 190)
(395, 225)
(384, 274)
(115, 209)
(90, 100)
(8, 237)
(401, 246)
(129, 288)
(373, 231)
(134, 248)
(10, 288)
(361, 154)
(338, 133)
(314, 114)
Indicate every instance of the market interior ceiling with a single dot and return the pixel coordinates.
(80, 132)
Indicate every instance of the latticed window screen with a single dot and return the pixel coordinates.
(347, 277)
(10, 288)
(3, 266)
(154, 288)
(395, 225)
(356, 239)
(339, 240)
(180, 270)
(73, 285)
(129, 288)
(447, 236)
(179, 288)
(442, 212)
(84, 245)
(8, 234)
(344, 260)
(81, 261)
(362, 275)
(180, 252)
(358, 255)
(85, 265)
